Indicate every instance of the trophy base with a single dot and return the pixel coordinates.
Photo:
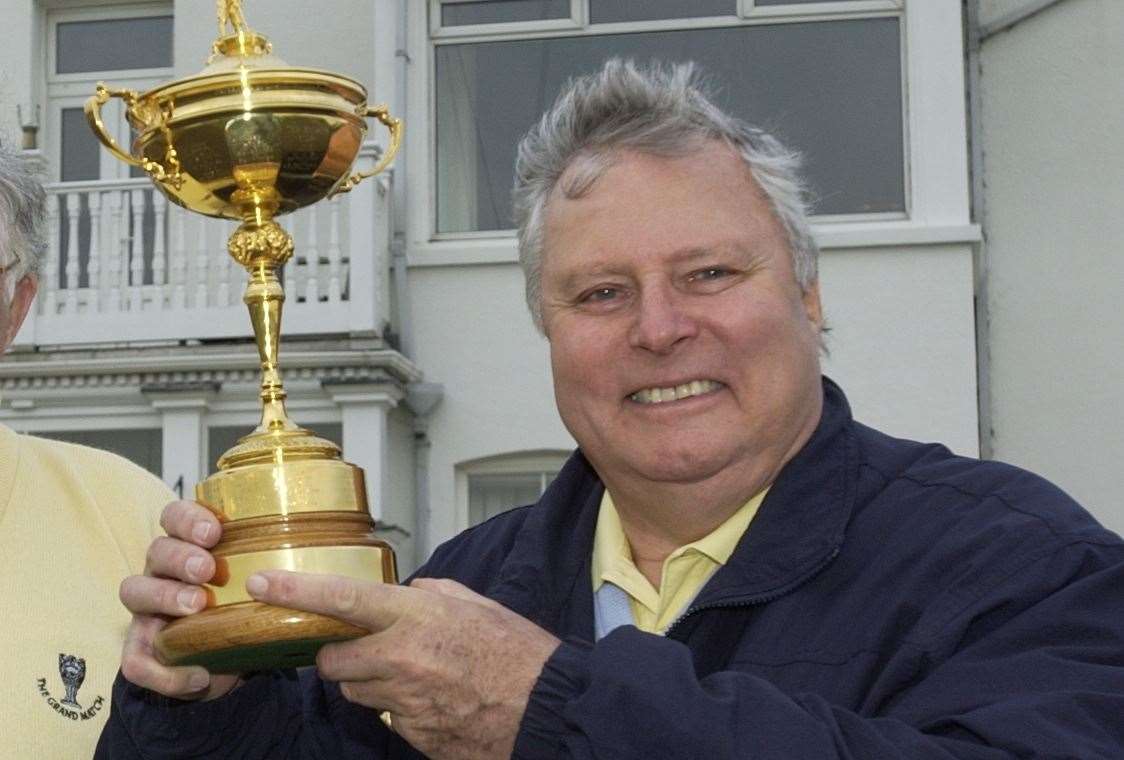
(250, 636)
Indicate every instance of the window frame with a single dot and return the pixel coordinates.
(99, 13)
(934, 129)
(62, 91)
(536, 461)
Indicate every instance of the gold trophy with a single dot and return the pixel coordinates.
(250, 138)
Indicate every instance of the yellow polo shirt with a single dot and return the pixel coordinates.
(685, 570)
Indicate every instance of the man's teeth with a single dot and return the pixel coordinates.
(673, 393)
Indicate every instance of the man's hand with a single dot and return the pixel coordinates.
(453, 668)
(169, 588)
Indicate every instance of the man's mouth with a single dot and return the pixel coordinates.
(675, 392)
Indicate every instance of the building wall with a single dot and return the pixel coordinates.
(1052, 110)
(18, 63)
(338, 39)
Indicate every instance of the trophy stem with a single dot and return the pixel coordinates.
(262, 248)
(264, 297)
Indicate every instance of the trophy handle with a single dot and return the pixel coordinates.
(392, 124)
(157, 171)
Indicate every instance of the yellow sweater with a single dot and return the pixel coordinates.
(74, 521)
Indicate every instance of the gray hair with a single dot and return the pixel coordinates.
(22, 216)
(663, 111)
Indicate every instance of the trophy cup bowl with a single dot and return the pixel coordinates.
(248, 139)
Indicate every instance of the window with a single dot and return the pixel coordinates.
(828, 82)
(502, 11)
(143, 447)
(129, 47)
(497, 484)
(608, 11)
(113, 44)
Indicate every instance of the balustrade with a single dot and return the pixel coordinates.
(123, 264)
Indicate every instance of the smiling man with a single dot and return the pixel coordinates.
(729, 567)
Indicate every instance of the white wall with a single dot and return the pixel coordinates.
(473, 335)
(902, 341)
(335, 36)
(1054, 168)
(19, 46)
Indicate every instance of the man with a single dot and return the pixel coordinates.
(72, 520)
(729, 567)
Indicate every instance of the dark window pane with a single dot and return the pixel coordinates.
(80, 148)
(80, 153)
(142, 447)
(502, 11)
(829, 89)
(608, 11)
(114, 44)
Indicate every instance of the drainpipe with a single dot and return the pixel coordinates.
(422, 399)
(979, 216)
(399, 215)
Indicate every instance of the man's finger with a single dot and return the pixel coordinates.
(143, 595)
(140, 667)
(173, 558)
(189, 521)
(374, 606)
(361, 659)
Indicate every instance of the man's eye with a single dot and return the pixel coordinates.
(600, 294)
(708, 274)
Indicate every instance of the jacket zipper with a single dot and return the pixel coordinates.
(764, 598)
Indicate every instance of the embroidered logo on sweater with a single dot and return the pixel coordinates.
(72, 671)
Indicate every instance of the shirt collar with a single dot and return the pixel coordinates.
(611, 549)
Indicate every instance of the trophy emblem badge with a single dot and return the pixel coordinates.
(72, 670)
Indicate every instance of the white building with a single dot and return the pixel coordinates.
(406, 337)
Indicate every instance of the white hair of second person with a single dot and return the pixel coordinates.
(659, 110)
(22, 218)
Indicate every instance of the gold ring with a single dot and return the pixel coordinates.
(384, 716)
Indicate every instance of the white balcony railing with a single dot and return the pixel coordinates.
(125, 265)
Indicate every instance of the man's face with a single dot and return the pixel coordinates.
(680, 342)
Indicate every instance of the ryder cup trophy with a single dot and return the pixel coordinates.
(250, 138)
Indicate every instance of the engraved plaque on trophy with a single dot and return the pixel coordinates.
(250, 138)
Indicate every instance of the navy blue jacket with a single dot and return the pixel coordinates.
(890, 600)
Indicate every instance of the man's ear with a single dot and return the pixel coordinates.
(812, 307)
(22, 297)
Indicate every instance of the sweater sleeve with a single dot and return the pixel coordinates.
(1034, 668)
(274, 715)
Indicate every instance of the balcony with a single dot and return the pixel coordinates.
(124, 265)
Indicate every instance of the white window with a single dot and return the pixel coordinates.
(127, 47)
(833, 78)
(496, 484)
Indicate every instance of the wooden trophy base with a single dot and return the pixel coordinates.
(250, 636)
(305, 516)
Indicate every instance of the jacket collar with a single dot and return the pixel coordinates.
(801, 523)
(798, 528)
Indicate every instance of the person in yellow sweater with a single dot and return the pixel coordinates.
(73, 522)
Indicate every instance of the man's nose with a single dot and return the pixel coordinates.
(661, 320)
